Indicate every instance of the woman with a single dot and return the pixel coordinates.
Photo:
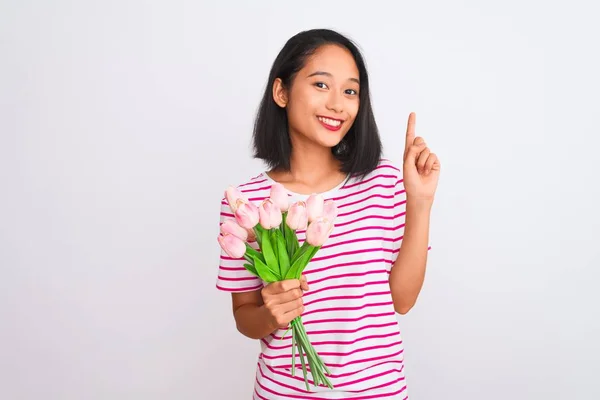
(316, 131)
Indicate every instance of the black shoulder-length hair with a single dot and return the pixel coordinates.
(359, 151)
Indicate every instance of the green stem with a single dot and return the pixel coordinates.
(282, 336)
(304, 336)
(293, 352)
(322, 364)
(311, 364)
(258, 233)
(303, 366)
(282, 226)
(314, 361)
(317, 365)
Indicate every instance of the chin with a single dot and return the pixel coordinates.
(329, 142)
(328, 138)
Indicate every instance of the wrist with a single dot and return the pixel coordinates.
(267, 320)
(418, 204)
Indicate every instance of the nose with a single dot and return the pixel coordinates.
(334, 102)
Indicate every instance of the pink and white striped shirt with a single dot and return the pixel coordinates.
(349, 314)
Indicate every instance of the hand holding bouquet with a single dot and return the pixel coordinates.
(280, 257)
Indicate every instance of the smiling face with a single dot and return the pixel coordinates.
(323, 100)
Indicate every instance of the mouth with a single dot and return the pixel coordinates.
(332, 124)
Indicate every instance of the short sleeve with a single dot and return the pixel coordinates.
(232, 276)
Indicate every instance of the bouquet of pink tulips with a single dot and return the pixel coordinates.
(274, 224)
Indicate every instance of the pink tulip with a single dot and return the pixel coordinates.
(318, 232)
(314, 206)
(233, 246)
(251, 236)
(297, 217)
(246, 214)
(231, 227)
(234, 196)
(330, 210)
(269, 214)
(279, 196)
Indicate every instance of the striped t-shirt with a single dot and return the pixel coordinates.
(349, 314)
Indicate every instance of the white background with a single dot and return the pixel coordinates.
(121, 122)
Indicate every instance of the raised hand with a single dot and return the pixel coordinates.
(421, 169)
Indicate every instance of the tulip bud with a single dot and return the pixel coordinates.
(330, 210)
(246, 215)
(231, 227)
(234, 196)
(314, 206)
(279, 196)
(269, 214)
(297, 217)
(318, 232)
(233, 246)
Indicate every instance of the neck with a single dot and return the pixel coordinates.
(312, 167)
(310, 161)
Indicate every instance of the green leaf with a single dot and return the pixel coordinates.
(251, 269)
(265, 272)
(252, 252)
(298, 266)
(267, 251)
(291, 240)
(273, 237)
(299, 252)
(258, 231)
(284, 259)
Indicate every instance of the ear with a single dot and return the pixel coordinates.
(280, 94)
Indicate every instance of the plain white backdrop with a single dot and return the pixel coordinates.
(121, 123)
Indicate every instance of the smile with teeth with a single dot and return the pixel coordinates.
(330, 122)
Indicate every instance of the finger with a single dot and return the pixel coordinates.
(282, 286)
(410, 131)
(292, 305)
(294, 313)
(303, 283)
(413, 152)
(422, 159)
(431, 159)
(290, 295)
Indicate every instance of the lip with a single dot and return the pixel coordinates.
(329, 127)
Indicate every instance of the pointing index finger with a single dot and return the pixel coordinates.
(410, 130)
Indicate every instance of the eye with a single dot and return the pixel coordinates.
(321, 85)
(351, 92)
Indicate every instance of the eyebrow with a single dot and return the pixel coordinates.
(323, 73)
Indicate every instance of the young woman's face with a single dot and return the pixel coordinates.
(324, 97)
